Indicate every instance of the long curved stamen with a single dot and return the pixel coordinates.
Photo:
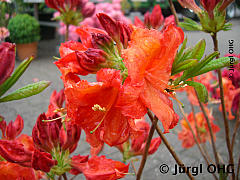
(50, 120)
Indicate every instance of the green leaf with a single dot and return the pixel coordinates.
(201, 90)
(26, 91)
(190, 25)
(15, 76)
(193, 71)
(180, 53)
(198, 51)
(216, 64)
(184, 65)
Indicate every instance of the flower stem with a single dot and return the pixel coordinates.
(134, 169)
(210, 130)
(195, 139)
(64, 176)
(145, 154)
(67, 32)
(235, 128)
(238, 167)
(169, 147)
(226, 126)
(173, 10)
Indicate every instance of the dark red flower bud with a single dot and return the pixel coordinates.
(125, 33)
(7, 60)
(102, 41)
(42, 161)
(155, 19)
(91, 60)
(118, 31)
(209, 6)
(225, 4)
(70, 137)
(14, 128)
(109, 25)
(43, 135)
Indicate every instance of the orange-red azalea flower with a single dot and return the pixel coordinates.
(186, 135)
(101, 168)
(94, 107)
(149, 59)
(14, 171)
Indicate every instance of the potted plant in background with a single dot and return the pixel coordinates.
(25, 32)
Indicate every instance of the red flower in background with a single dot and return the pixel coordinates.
(101, 168)
(229, 93)
(7, 60)
(186, 135)
(149, 59)
(13, 129)
(87, 8)
(154, 20)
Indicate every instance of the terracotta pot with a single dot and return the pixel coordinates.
(26, 50)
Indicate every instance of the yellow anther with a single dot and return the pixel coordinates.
(97, 107)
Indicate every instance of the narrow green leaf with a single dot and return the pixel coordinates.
(15, 76)
(198, 51)
(184, 65)
(26, 91)
(180, 53)
(191, 72)
(216, 64)
(190, 25)
(201, 90)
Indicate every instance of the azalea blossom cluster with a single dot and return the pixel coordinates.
(139, 68)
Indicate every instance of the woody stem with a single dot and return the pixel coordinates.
(173, 10)
(226, 126)
(210, 130)
(67, 32)
(195, 139)
(145, 153)
(65, 176)
(169, 147)
(236, 127)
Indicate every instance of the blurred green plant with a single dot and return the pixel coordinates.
(24, 28)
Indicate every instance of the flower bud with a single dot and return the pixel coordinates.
(70, 137)
(118, 31)
(209, 6)
(43, 135)
(91, 60)
(102, 41)
(7, 60)
(155, 19)
(14, 128)
(190, 4)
